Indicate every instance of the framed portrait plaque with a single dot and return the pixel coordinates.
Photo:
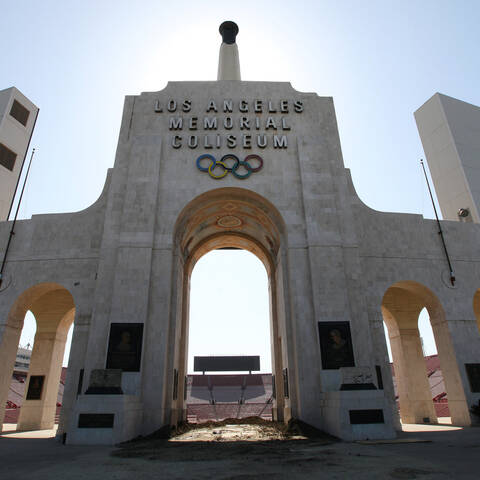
(35, 387)
(125, 346)
(473, 373)
(335, 345)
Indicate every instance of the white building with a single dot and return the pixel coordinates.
(17, 121)
(450, 134)
(22, 362)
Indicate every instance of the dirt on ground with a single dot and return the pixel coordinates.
(253, 448)
(237, 433)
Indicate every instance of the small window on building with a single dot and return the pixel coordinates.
(19, 112)
(7, 157)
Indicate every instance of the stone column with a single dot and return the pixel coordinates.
(380, 353)
(47, 356)
(9, 338)
(411, 376)
(75, 363)
(278, 413)
(450, 356)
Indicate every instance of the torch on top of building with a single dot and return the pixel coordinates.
(228, 62)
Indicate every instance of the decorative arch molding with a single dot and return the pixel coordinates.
(229, 210)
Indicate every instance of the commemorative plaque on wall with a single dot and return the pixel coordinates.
(96, 420)
(473, 373)
(335, 345)
(125, 346)
(358, 417)
(35, 387)
(286, 393)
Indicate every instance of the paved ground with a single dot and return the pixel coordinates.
(436, 452)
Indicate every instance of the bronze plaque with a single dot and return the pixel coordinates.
(96, 420)
(358, 417)
(35, 387)
(335, 345)
(286, 393)
(80, 381)
(175, 383)
(378, 370)
(125, 346)
(473, 373)
(105, 382)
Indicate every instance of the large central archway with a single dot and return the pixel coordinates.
(231, 217)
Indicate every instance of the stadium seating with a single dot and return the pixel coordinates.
(217, 397)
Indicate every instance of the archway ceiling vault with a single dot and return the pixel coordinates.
(231, 223)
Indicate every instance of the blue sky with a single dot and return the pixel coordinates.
(380, 60)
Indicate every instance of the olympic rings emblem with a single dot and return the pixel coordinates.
(229, 163)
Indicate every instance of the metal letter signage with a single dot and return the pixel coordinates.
(220, 130)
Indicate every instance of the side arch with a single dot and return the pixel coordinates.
(401, 306)
(54, 310)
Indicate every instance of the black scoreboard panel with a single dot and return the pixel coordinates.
(226, 364)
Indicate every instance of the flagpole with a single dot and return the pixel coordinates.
(440, 231)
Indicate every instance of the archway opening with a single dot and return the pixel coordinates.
(229, 317)
(427, 383)
(432, 364)
(40, 324)
(232, 220)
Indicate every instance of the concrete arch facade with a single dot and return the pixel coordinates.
(126, 261)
